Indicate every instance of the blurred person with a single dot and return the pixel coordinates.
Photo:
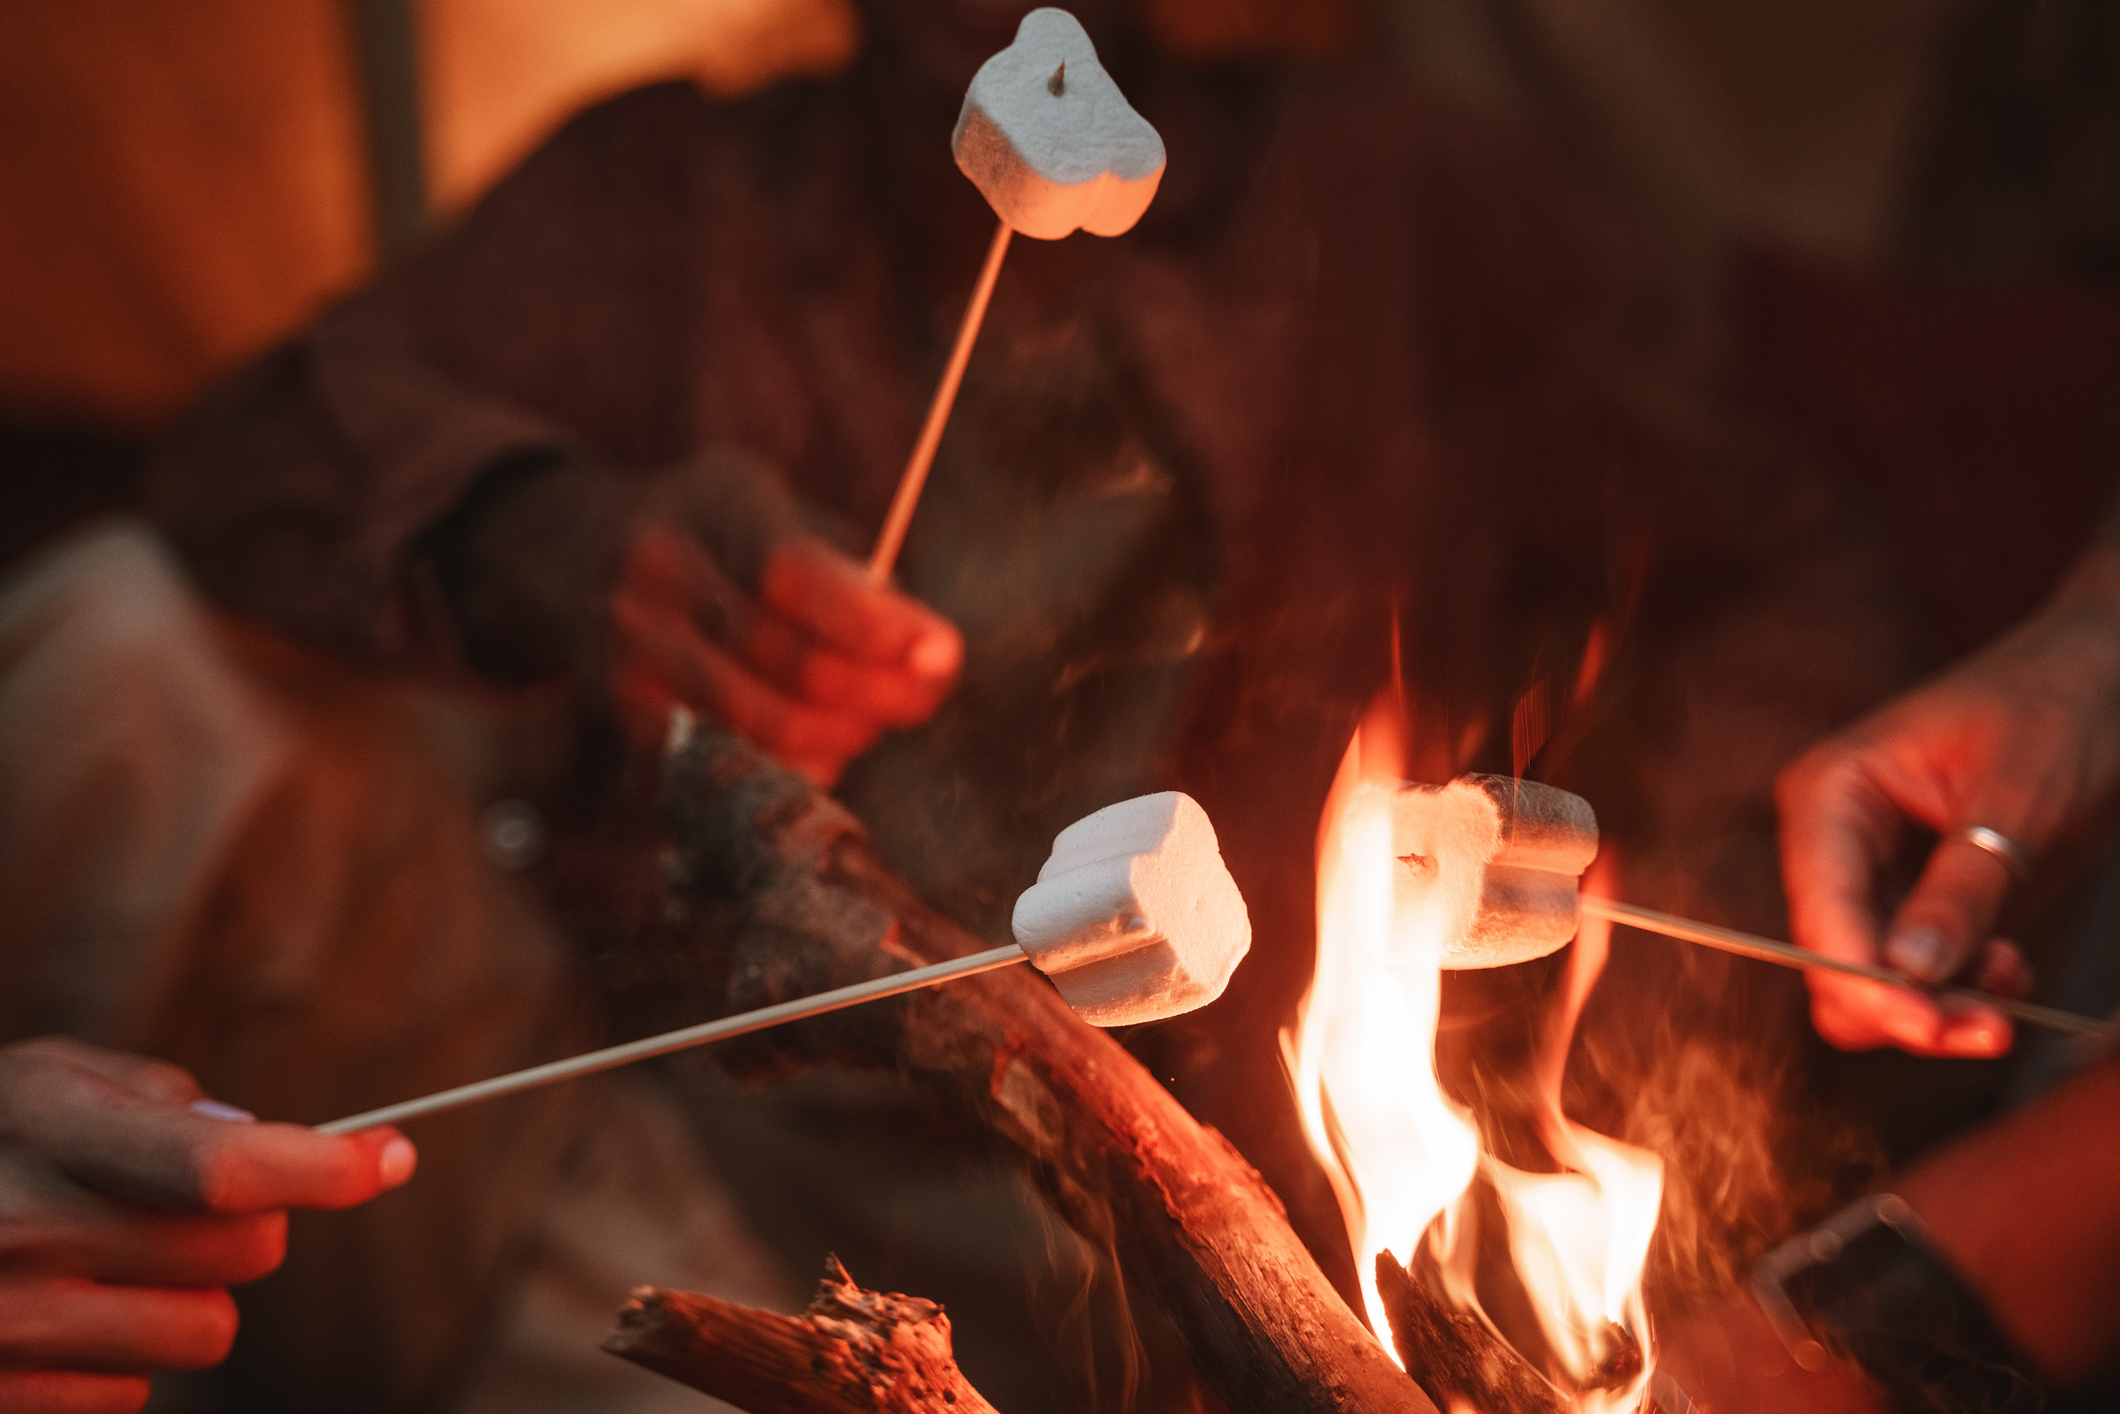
(1995, 1283)
(2003, 764)
(1366, 363)
(1912, 836)
(2000, 1282)
(1987, 1278)
(1367, 358)
(273, 873)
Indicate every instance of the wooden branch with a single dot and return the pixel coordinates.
(782, 884)
(1455, 1355)
(852, 1352)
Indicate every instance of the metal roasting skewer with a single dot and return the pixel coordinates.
(743, 1025)
(611, 1057)
(1783, 954)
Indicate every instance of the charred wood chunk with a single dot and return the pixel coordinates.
(1454, 1354)
(853, 1352)
(801, 900)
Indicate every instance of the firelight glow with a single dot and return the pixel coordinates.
(1402, 1156)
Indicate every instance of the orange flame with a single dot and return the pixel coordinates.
(1401, 1155)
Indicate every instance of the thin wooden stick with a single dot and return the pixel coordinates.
(611, 1057)
(1782, 954)
(914, 477)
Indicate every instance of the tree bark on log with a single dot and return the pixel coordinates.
(777, 885)
(852, 1352)
(1453, 1353)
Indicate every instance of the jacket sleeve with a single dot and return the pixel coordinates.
(552, 325)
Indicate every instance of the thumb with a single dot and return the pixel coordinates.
(1947, 920)
(831, 597)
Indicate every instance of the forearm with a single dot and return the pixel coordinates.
(297, 491)
(551, 321)
(2093, 581)
(2027, 1210)
(527, 562)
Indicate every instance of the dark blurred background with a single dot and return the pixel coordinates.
(188, 181)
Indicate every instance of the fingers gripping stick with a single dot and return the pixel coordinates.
(1051, 143)
(1134, 918)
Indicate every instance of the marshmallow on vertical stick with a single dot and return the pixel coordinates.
(1048, 138)
(1051, 143)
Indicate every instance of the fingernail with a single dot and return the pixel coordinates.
(1981, 1041)
(1972, 1043)
(934, 656)
(214, 1109)
(397, 1161)
(1915, 950)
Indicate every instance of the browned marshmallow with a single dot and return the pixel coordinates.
(1492, 862)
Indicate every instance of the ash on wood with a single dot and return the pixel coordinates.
(852, 1352)
(1456, 1356)
(775, 893)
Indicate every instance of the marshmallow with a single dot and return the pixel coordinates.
(1500, 860)
(1134, 917)
(1048, 138)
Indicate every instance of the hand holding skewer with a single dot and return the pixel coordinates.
(1502, 858)
(2003, 756)
(129, 1202)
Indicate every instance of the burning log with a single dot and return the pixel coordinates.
(783, 883)
(852, 1352)
(1459, 1358)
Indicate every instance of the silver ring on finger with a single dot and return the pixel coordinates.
(2004, 848)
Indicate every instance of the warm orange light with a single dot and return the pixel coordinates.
(1401, 1155)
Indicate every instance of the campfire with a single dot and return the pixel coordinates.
(1407, 1163)
(1197, 1234)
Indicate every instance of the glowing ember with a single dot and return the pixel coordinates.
(1403, 1158)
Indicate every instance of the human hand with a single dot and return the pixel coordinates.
(813, 667)
(2024, 738)
(1729, 1360)
(126, 1212)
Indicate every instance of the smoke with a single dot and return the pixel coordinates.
(1691, 1055)
(1747, 1159)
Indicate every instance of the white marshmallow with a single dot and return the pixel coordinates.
(1499, 859)
(1134, 917)
(1055, 150)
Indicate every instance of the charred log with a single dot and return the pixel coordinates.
(1454, 1354)
(777, 886)
(852, 1352)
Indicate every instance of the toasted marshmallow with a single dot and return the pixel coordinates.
(1495, 862)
